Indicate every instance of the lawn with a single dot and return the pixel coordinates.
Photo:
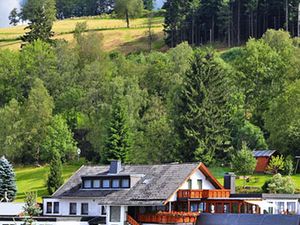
(34, 179)
(255, 181)
(115, 34)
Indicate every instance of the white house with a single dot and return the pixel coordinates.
(117, 194)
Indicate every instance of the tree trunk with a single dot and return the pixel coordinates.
(286, 15)
(298, 24)
(239, 23)
(127, 18)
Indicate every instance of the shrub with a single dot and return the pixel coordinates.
(276, 164)
(279, 185)
(288, 166)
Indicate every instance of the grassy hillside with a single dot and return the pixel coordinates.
(34, 179)
(116, 35)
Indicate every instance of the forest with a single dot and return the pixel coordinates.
(185, 104)
(231, 22)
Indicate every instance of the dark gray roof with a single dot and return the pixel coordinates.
(154, 184)
(263, 153)
(247, 219)
(281, 196)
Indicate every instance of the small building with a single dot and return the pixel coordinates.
(263, 158)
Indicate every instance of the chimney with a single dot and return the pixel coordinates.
(229, 182)
(115, 167)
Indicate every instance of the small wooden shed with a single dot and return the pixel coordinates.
(263, 158)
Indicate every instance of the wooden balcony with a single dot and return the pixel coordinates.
(195, 194)
(168, 217)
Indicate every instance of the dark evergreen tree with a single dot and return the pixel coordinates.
(41, 17)
(203, 110)
(149, 4)
(118, 141)
(14, 17)
(8, 187)
(55, 179)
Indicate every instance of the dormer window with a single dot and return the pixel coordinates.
(96, 184)
(106, 183)
(116, 183)
(87, 184)
(125, 183)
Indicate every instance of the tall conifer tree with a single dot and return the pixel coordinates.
(202, 110)
(55, 179)
(118, 141)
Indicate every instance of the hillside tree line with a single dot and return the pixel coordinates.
(229, 21)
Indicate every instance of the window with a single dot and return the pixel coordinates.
(73, 208)
(189, 184)
(194, 207)
(84, 208)
(106, 183)
(56, 207)
(49, 207)
(87, 184)
(199, 184)
(96, 184)
(115, 183)
(125, 183)
(115, 214)
(279, 207)
(291, 206)
(103, 210)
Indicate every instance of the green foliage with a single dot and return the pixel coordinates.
(276, 164)
(202, 113)
(282, 120)
(11, 130)
(243, 162)
(31, 209)
(41, 15)
(55, 179)
(279, 185)
(8, 187)
(128, 9)
(118, 141)
(14, 17)
(59, 139)
(288, 166)
(37, 116)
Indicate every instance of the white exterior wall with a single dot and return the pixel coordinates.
(64, 207)
(266, 203)
(123, 216)
(198, 175)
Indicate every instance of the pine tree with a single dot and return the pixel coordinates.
(8, 187)
(55, 179)
(202, 111)
(41, 16)
(118, 142)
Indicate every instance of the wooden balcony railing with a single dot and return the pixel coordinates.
(168, 217)
(132, 221)
(192, 194)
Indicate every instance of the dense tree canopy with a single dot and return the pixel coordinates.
(181, 105)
